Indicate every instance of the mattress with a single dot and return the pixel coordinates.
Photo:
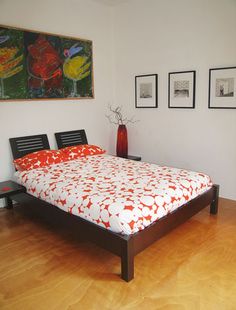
(121, 195)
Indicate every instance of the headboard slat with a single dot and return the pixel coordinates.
(70, 138)
(22, 146)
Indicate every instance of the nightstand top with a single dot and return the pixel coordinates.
(8, 188)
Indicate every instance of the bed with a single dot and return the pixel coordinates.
(126, 246)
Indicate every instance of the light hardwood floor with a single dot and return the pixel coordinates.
(193, 267)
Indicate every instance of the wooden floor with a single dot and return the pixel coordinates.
(193, 267)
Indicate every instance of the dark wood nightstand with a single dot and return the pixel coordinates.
(8, 189)
(132, 157)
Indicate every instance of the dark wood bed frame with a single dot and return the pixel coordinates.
(125, 246)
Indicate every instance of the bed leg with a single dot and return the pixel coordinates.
(214, 204)
(9, 204)
(127, 260)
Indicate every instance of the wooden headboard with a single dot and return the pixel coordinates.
(22, 146)
(70, 138)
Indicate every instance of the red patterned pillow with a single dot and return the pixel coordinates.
(76, 151)
(40, 159)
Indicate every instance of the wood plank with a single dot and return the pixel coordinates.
(193, 267)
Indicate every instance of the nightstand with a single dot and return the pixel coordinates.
(132, 157)
(8, 189)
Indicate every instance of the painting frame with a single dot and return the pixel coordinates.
(181, 89)
(146, 91)
(72, 86)
(222, 88)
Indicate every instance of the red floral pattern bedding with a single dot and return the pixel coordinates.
(121, 195)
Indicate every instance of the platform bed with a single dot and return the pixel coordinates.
(125, 246)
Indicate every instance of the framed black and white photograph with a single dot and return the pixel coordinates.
(222, 88)
(146, 91)
(182, 89)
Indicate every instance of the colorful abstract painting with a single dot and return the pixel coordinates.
(37, 65)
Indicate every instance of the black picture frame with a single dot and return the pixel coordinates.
(146, 91)
(181, 89)
(222, 88)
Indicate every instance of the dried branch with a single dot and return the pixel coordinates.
(117, 118)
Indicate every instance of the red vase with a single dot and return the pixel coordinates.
(122, 142)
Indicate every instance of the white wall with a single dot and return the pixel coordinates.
(78, 18)
(160, 36)
(150, 36)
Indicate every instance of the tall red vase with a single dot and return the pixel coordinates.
(122, 142)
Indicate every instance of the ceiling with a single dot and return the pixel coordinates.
(111, 2)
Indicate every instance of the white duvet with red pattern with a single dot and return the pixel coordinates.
(121, 195)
